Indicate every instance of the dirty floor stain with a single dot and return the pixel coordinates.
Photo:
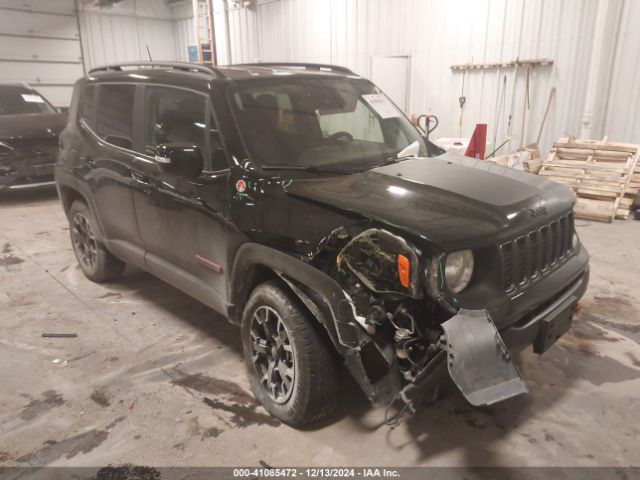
(9, 260)
(212, 432)
(243, 415)
(69, 448)
(127, 471)
(114, 423)
(50, 399)
(213, 386)
(100, 398)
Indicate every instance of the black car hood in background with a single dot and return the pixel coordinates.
(31, 125)
(451, 201)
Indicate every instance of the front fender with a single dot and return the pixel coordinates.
(326, 300)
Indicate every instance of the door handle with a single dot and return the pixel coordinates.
(140, 181)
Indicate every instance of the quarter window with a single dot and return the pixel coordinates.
(115, 107)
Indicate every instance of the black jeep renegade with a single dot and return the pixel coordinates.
(298, 201)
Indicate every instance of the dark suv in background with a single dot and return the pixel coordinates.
(29, 129)
(297, 200)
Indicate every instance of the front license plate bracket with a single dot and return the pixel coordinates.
(554, 325)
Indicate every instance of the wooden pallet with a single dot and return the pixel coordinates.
(605, 176)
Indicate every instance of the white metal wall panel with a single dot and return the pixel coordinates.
(39, 44)
(122, 32)
(437, 34)
(622, 117)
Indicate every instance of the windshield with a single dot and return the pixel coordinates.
(23, 102)
(321, 122)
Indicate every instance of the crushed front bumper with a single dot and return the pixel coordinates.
(479, 358)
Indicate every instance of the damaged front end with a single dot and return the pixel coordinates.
(409, 336)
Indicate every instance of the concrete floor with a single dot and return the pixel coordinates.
(154, 378)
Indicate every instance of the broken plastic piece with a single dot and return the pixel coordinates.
(478, 360)
(374, 257)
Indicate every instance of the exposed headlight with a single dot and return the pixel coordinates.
(458, 268)
(575, 241)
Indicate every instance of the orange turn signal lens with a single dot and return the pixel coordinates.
(404, 268)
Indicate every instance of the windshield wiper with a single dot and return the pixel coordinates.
(410, 151)
(396, 159)
(306, 168)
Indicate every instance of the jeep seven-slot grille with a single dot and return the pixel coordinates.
(533, 255)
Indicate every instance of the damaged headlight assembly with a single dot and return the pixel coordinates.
(458, 269)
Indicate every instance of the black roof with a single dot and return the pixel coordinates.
(229, 72)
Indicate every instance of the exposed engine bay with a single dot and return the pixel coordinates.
(413, 334)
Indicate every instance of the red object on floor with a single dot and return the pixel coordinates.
(478, 142)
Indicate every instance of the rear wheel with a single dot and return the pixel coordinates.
(95, 261)
(291, 368)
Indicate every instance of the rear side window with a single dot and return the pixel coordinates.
(88, 112)
(114, 115)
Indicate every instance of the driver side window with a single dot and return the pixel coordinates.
(180, 117)
(174, 117)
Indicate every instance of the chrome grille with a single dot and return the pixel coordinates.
(535, 254)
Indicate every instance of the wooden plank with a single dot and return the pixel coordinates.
(633, 164)
(622, 214)
(564, 142)
(586, 166)
(594, 210)
(584, 152)
(604, 175)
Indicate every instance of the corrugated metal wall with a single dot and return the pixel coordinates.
(123, 31)
(622, 117)
(436, 34)
(40, 40)
(39, 44)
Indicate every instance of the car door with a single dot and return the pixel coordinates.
(183, 221)
(108, 155)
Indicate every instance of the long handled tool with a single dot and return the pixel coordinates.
(535, 163)
(513, 98)
(461, 100)
(499, 108)
(525, 107)
(552, 94)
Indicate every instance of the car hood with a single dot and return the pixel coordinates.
(32, 125)
(450, 200)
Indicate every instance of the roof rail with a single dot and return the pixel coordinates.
(302, 66)
(184, 66)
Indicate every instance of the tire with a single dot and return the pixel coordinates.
(313, 388)
(95, 261)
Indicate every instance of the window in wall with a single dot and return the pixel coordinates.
(115, 108)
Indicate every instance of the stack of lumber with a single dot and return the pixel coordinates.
(605, 176)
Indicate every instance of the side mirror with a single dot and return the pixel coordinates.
(183, 160)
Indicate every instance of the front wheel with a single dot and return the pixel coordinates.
(291, 367)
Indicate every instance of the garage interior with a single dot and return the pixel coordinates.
(154, 378)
